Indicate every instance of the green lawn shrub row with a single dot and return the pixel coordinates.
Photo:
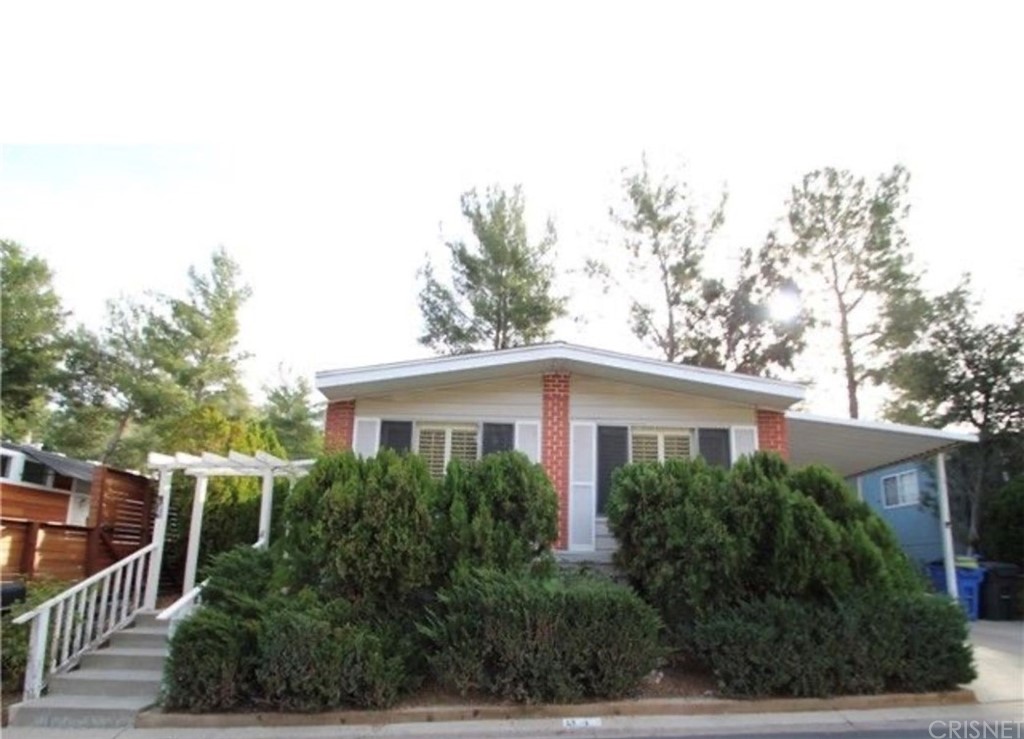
(866, 643)
(533, 640)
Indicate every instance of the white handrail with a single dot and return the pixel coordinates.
(181, 608)
(84, 615)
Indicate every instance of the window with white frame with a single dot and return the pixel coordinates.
(439, 444)
(900, 489)
(657, 445)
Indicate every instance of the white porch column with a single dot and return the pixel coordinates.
(156, 559)
(947, 527)
(194, 531)
(266, 506)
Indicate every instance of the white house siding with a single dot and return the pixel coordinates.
(604, 401)
(515, 399)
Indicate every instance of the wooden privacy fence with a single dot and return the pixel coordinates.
(120, 523)
(64, 552)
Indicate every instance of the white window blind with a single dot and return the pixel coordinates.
(438, 445)
(900, 489)
(657, 445)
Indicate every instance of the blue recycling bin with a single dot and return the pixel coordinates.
(968, 585)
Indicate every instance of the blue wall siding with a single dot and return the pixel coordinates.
(916, 526)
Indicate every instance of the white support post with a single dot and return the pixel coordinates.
(35, 667)
(947, 528)
(266, 506)
(159, 535)
(194, 531)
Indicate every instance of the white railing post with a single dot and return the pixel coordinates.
(159, 535)
(195, 530)
(35, 667)
(266, 506)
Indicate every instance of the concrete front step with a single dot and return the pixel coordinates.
(126, 658)
(79, 711)
(107, 682)
(140, 636)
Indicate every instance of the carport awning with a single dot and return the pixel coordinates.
(853, 447)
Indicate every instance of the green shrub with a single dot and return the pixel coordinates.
(14, 638)
(207, 669)
(240, 581)
(300, 663)
(499, 513)
(1002, 531)
(530, 640)
(867, 643)
(372, 676)
(695, 539)
(361, 529)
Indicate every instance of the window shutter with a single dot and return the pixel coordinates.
(677, 446)
(582, 494)
(367, 436)
(714, 447)
(396, 435)
(612, 453)
(528, 439)
(464, 446)
(644, 447)
(431, 448)
(744, 441)
(499, 437)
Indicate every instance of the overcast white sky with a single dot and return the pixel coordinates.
(325, 145)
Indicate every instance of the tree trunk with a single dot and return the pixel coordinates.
(848, 364)
(122, 424)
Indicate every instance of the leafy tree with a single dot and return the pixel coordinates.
(294, 419)
(965, 373)
(198, 336)
(850, 242)
(691, 317)
(31, 339)
(501, 291)
(114, 389)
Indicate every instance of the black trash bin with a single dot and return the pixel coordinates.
(1000, 593)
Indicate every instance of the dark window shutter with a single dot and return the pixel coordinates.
(396, 435)
(499, 437)
(612, 453)
(714, 447)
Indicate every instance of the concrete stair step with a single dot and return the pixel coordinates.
(79, 711)
(126, 658)
(107, 682)
(140, 636)
(147, 619)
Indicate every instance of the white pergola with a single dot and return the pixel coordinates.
(202, 468)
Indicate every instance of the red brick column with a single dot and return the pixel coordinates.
(339, 425)
(555, 446)
(772, 432)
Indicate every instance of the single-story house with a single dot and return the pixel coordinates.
(583, 412)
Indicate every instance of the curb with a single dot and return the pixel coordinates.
(156, 719)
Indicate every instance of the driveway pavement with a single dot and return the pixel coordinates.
(999, 658)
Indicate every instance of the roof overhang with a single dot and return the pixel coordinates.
(435, 372)
(854, 447)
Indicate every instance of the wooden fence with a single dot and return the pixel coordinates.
(120, 523)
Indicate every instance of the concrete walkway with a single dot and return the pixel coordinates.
(999, 687)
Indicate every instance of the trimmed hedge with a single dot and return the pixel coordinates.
(499, 513)
(542, 641)
(361, 529)
(695, 539)
(207, 669)
(868, 643)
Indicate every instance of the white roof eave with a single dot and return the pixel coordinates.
(349, 383)
(854, 447)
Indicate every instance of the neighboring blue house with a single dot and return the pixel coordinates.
(905, 496)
